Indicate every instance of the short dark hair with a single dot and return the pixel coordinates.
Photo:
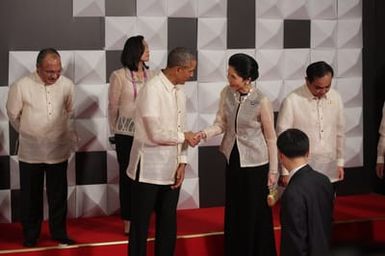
(179, 56)
(132, 52)
(44, 52)
(318, 69)
(293, 143)
(245, 66)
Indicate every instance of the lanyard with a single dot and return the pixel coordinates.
(134, 81)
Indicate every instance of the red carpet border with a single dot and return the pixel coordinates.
(359, 221)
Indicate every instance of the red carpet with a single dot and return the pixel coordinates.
(359, 220)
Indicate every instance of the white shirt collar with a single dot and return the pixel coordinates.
(292, 172)
(311, 96)
(169, 86)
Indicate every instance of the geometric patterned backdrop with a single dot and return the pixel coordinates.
(283, 35)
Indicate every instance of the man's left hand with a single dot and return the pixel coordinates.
(179, 176)
(340, 172)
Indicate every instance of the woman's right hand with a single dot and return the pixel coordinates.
(283, 180)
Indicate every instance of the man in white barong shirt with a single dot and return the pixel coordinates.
(317, 109)
(158, 155)
(39, 107)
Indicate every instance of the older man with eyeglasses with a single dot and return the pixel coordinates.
(39, 107)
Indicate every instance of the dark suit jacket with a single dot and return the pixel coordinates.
(306, 214)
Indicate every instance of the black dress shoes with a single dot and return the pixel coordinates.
(65, 241)
(29, 243)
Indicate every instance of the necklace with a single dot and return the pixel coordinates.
(240, 98)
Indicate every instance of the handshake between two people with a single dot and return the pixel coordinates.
(194, 138)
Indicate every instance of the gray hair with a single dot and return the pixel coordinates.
(180, 57)
(44, 52)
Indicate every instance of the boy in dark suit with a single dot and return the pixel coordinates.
(307, 202)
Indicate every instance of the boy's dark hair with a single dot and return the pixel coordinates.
(293, 143)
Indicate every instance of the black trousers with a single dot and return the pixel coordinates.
(31, 188)
(248, 218)
(146, 199)
(123, 144)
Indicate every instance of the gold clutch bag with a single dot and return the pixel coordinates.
(273, 196)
